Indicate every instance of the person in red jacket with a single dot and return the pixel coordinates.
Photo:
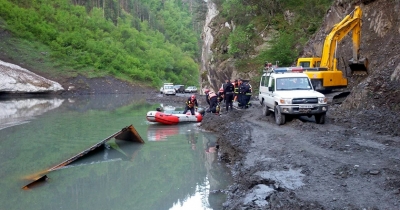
(191, 104)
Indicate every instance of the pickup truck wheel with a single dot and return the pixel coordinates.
(279, 117)
(320, 118)
(265, 111)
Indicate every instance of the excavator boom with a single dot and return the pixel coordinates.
(323, 70)
(350, 23)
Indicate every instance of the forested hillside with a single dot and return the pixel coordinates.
(149, 41)
(289, 24)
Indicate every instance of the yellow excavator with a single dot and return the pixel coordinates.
(323, 70)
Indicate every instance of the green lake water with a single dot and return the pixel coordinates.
(176, 168)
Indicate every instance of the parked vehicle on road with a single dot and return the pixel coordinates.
(169, 89)
(161, 90)
(179, 88)
(191, 89)
(288, 91)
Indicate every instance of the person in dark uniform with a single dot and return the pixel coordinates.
(224, 84)
(191, 104)
(228, 93)
(247, 95)
(241, 95)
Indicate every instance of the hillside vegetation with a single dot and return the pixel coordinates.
(148, 41)
(292, 23)
(249, 33)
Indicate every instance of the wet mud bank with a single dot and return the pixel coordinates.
(303, 165)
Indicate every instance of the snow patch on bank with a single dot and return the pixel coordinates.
(15, 79)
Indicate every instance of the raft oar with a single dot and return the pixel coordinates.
(128, 133)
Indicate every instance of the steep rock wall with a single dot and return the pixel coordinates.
(207, 68)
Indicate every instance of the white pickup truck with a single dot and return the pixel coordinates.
(288, 91)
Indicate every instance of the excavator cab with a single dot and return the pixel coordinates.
(359, 67)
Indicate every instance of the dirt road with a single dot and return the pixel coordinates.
(303, 165)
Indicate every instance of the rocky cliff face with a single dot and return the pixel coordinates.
(207, 68)
(214, 68)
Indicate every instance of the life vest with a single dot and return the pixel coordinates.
(236, 91)
(191, 103)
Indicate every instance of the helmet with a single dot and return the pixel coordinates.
(193, 97)
(206, 91)
(221, 90)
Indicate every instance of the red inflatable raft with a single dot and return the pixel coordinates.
(172, 118)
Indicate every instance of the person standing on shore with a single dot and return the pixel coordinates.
(248, 94)
(228, 94)
(241, 94)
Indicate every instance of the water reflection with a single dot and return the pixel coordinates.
(19, 111)
(161, 132)
(192, 138)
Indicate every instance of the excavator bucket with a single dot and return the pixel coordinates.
(128, 133)
(359, 67)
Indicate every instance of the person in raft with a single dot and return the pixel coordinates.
(191, 104)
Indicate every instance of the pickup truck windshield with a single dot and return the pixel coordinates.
(293, 83)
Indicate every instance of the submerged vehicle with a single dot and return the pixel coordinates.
(128, 133)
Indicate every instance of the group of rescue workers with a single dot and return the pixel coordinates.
(229, 92)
